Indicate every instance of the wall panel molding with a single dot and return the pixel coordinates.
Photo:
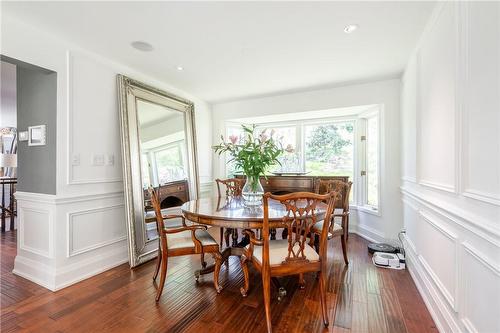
(468, 108)
(71, 180)
(471, 252)
(449, 295)
(440, 312)
(46, 215)
(71, 250)
(470, 222)
(438, 110)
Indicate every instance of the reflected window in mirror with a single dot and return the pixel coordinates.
(163, 144)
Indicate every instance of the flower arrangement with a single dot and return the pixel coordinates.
(253, 154)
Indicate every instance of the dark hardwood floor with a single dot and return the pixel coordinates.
(361, 298)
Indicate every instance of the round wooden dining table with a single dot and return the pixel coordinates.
(231, 212)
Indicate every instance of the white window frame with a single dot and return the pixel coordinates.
(363, 154)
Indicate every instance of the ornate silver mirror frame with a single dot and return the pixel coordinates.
(130, 91)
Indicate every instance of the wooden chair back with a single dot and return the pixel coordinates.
(323, 186)
(233, 186)
(160, 224)
(299, 220)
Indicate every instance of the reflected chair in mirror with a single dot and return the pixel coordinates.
(231, 188)
(294, 255)
(179, 241)
(341, 212)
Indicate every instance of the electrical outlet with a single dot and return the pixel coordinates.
(75, 160)
(97, 159)
(110, 159)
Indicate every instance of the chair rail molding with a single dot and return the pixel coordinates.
(471, 222)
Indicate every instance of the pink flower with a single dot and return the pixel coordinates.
(289, 149)
(233, 139)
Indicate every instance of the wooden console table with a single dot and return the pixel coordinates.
(289, 184)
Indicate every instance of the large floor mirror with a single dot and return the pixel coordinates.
(159, 150)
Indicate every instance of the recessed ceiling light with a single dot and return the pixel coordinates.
(350, 28)
(142, 46)
(180, 68)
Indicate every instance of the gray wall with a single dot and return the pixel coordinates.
(37, 105)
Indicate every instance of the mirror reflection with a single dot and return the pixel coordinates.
(163, 159)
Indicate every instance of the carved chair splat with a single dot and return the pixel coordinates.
(294, 255)
(233, 188)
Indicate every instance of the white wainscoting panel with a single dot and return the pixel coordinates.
(481, 113)
(92, 229)
(439, 255)
(481, 291)
(436, 105)
(453, 247)
(36, 231)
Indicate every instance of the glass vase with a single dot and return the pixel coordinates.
(252, 192)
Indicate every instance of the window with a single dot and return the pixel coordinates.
(146, 174)
(287, 137)
(163, 164)
(329, 149)
(169, 166)
(372, 146)
(343, 146)
(238, 134)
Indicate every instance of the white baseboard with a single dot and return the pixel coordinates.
(55, 280)
(83, 270)
(367, 233)
(34, 271)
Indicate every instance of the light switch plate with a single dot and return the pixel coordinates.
(23, 136)
(97, 159)
(110, 159)
(75, 160)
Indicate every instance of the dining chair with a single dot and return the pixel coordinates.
(233, 188)
(182, 240)
(294, 255)
(341, 211)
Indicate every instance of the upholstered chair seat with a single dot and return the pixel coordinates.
(337, 229)
(278, 250)
(183, 239)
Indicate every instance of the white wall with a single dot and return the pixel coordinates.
(8, 100)
(82, 227)
(389, 223)
(451, 166)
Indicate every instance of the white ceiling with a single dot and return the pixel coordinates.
(234, 50)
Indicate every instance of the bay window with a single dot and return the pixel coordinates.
(343, 146)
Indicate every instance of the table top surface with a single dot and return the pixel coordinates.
(234, 209)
